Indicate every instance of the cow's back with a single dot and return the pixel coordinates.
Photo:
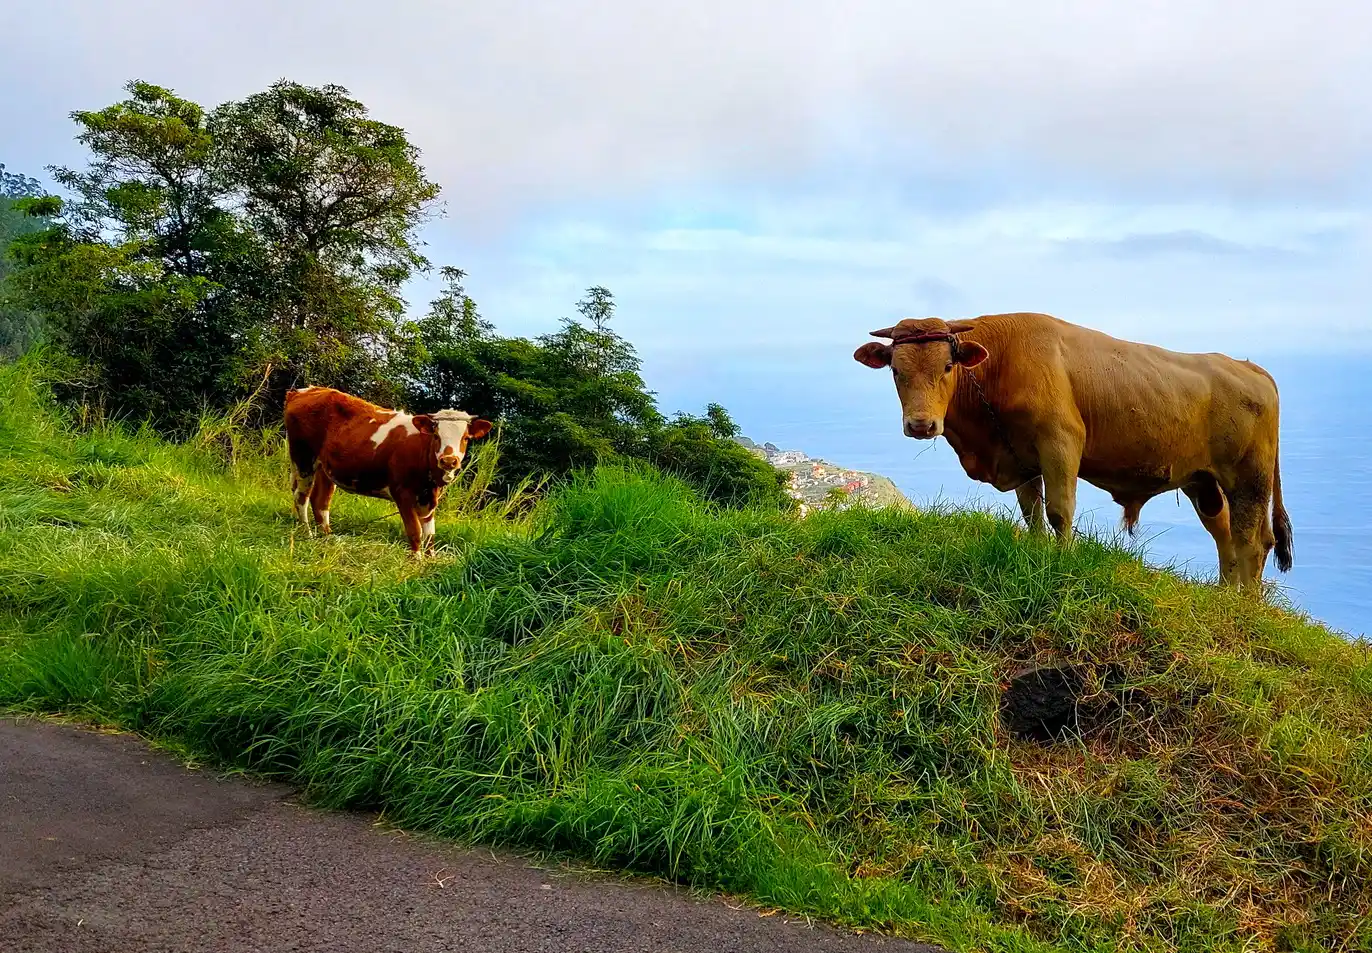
(309, 416)
(1137, 403)
(327, 423)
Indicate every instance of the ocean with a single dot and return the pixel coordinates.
(831, 407)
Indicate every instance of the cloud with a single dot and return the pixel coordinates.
(938, 296)
(1182, 242)
(524, 104)
(783, 175)
(829, 272)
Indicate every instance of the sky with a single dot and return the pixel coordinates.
(768, 181)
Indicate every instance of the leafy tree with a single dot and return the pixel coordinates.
(135, 277)
(151, 180)
(13, 185)
(19, 325)
(274, 233)
(136, 333)
(336, 197)
(567, 399)
(701, 451)
(574, 398)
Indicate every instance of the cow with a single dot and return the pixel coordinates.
(336, 439)
(1030, 403)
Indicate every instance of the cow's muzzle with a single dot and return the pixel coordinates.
(922, 428)
(449, 462)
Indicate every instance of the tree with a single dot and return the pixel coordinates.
(336, 197)
(134, 332)
(151, 180)
(16, 186)
(199, 250)
(574, 398)
(19, 326)
(138, 275)
(702, 451)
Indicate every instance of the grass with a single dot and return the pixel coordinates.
(800, 711)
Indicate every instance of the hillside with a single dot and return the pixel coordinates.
(802, 712)
(813, 480)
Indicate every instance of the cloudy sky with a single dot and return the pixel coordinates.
(786, 176)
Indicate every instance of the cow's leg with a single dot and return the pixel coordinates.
(409, 515)
(1030, 497)
(1212, 506)
(319, 500)
(1250, 527)
(1060, 460)
(426, 530)
(1251, 531)
(302, 484)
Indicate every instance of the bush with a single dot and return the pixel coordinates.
(573, 399)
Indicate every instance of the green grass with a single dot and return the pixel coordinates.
(800, 711)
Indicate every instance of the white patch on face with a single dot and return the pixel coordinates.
(396, 421)
(452, 427)
(301, 390)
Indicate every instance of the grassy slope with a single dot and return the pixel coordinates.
(802, 711)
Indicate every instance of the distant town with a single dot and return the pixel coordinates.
(819, 484)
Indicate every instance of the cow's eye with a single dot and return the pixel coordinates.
(949, 368)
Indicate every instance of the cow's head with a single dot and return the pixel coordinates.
(451, 429)
(923, 356)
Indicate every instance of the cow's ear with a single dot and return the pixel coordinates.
(873, 354)
(478, 428)
(957, 327)
(425, 423)
(970, 353)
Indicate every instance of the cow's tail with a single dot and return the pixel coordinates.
(1281, 523)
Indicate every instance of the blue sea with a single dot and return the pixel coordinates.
(830, 407)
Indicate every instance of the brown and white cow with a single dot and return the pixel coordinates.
(1030, 403)
(336, 439)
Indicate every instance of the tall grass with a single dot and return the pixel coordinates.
(802, 711)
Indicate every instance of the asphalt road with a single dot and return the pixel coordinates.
(107, 846)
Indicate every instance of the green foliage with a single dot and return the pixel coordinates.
(136, 277)
(336, 197)
(803, 711)
(574, 398)
(151, 181)
(202, 252)
(203, 256)
(15, 185)
(140, 342)
(700, 451)
(22, 212)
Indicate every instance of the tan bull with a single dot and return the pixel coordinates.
(1030, 403)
